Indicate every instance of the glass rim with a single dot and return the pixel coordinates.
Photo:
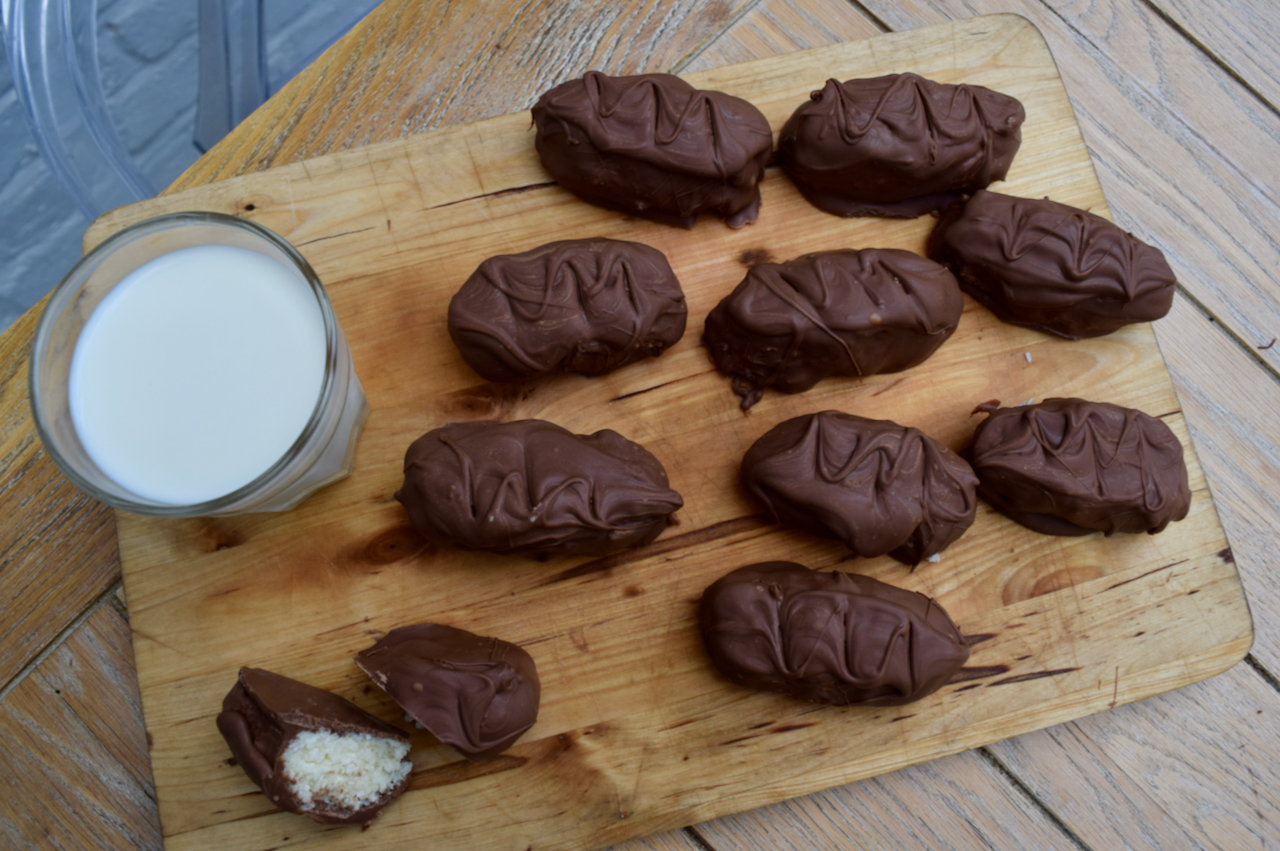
(70, 283)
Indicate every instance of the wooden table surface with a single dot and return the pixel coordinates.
(1179, 101)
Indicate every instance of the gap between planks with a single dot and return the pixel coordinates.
(1194, 42)
(1045, 810)
(697, 838)
(871, 16)
(1261, 670)
(715, 36)
(1173, 24)
(1250, 349)
(1155, 96)
(105, 598)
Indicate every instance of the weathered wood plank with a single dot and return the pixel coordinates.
(1230, 403)
(412, 66)
(1242, 35)
(73, 764)
(1191, 769)
(93, 673)
(57, 546)
(960, 803)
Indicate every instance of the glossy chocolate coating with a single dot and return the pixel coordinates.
(534, 487)
(263, 713)
(875, 485)
(1051, 267)
(473, 693)
(1071, 467)
(846, 312)
(899, 145)
(654, 146)
(584, 305)
(832, 637)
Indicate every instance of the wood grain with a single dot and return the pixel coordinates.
(1230, 404)
(1243, 36)
(1068, 620)
(436, 64)
(783, 26)
(1185, 770)
(960, 803)
(674, 840)
(73, 763)
(93, 674)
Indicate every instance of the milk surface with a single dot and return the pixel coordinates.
(197, 372)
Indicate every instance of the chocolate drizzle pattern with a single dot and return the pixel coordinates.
(533, 487)
(476, 694)
(835, 638)
(654, 146)
(587, 306)
(1052, 267)
(899, 145)
(875, 485)
(1071, 467)
(264, 712)
(845, 312)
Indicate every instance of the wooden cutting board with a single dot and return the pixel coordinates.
(637, 733)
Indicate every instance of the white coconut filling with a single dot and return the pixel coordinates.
(351, 771)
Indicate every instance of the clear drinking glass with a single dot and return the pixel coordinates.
(323, 452)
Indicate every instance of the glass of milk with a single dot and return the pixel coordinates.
(191, 365)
